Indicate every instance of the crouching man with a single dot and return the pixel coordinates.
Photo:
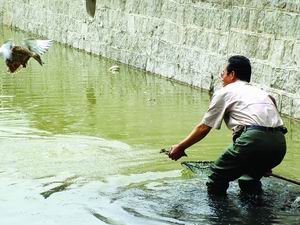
(258, 132)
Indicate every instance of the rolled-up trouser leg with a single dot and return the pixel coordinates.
(252, 154)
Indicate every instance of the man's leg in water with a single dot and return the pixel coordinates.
(252, 154)
(227, 168)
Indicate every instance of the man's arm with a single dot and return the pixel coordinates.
(197, 134)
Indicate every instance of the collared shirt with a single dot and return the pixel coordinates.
(240, 104)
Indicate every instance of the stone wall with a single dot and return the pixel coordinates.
(187, 40)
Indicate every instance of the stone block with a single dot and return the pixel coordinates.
(286, 104)
(201, 18)
(240, 18)
(257, 75)
(165, 68)
(269, 22)
(172, 11)
(262, 47)
(173, 33)
(131, 24)
(198, 60)
(297, 27)
(260, 4)
(151, 64)
(288, 58)
(188, 15)
(118, 5)
(267, 73)
(223, 44)
(293, 83)
(124, 56)
(202, 39)
(217, 19)
(195, 78)
(243, 44)
(276, 51)
(232, 3)
(207, 81)
(296, 54)
(183, 75)
(296, 107)
(190, 36)
(286, 80)
(137, 59)
(287, 24)
(279, 78)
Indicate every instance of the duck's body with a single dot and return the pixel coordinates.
(16, 56)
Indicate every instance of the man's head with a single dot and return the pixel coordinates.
(238, 68)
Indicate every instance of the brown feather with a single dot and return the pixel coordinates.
(20, 56)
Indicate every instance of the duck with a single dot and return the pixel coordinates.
(90, 7)
(17, 56)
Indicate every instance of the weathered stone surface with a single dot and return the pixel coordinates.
(187, 40)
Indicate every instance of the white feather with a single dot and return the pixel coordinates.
(38, 46)
(6, 49)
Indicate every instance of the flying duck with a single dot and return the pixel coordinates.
(18, 55)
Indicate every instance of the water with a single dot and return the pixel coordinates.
(80, 145)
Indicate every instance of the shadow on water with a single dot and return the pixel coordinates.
(186, 202)
(63, 185)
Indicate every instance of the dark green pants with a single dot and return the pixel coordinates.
(252, 153)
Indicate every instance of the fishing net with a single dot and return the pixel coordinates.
(194, 166)
(197, 166)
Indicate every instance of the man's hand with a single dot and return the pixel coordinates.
(176, 152)
(197, 134)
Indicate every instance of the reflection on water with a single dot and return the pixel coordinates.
(80, 145)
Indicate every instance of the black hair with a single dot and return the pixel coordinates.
(241, 66)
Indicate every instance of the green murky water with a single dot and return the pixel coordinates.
(79, 145)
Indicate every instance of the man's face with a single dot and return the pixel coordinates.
(227, 78)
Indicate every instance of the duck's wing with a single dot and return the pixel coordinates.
(6, 49)
(38, 46)
(90, 7)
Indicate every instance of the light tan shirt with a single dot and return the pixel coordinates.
(241, 104)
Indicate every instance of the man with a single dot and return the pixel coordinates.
(258, 133)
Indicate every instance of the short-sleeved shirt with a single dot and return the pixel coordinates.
(241, 104)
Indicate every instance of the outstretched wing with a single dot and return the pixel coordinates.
(38, 46)
(6, 49)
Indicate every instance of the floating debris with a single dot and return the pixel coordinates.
(114, 69)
